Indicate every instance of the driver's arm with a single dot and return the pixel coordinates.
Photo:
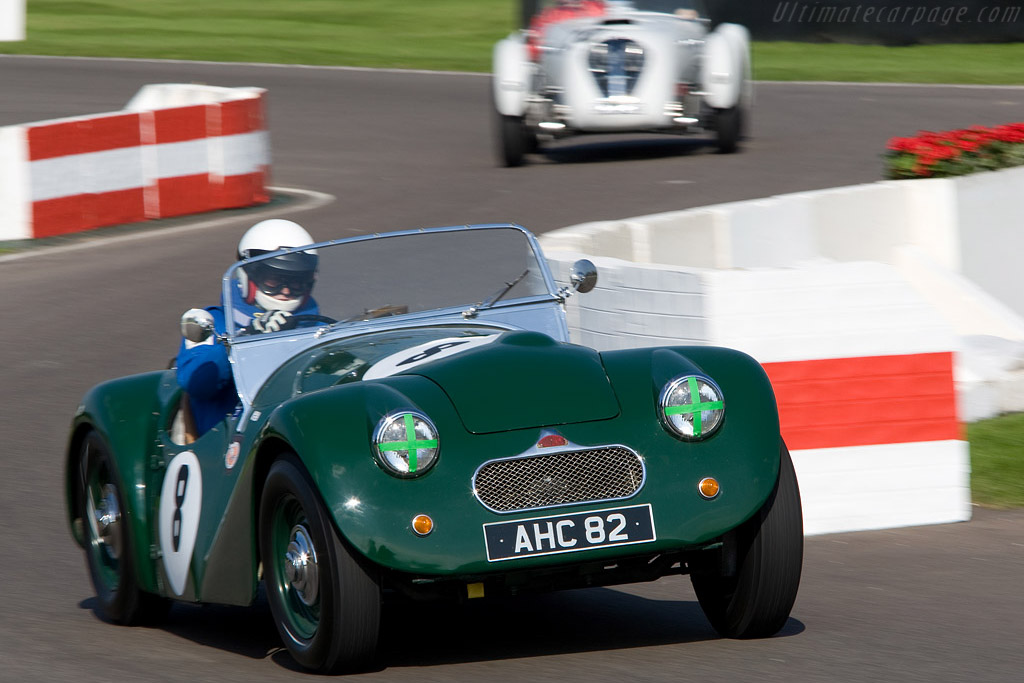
(203, 368)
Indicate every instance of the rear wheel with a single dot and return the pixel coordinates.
(108, 542)
(755, 600)
(325, 604)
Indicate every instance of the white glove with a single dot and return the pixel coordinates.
(273, 321)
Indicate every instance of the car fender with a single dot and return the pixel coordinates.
(131, 444)
(725, 71)
(331, 430)
(746, 447)
(511, 81)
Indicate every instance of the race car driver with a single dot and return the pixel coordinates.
(268, 296)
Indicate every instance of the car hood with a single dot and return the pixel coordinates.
(523, 380)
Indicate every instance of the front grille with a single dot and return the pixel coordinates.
(565, 478)
(616, 65)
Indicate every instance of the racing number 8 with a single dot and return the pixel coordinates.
(179, 497)
(595, 528)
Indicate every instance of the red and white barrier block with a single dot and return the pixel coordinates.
(863, 372)
(861, 361)
(861, 365)
(174, 150)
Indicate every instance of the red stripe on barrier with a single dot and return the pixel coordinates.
(114, 208)
(82, 136)
(58, 216)
(65, 215)
(53, 140)
(180, 124)
(243, 190)
(863, 401)
(240, 116)
(109, 132)
(184, 195)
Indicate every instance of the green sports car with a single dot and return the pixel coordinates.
(433, 433)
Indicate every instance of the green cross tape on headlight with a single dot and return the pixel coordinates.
(420, 443)
(696, 407)
(411, 444)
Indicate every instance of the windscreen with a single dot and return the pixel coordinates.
(388, 276)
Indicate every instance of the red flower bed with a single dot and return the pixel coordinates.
(956, 152)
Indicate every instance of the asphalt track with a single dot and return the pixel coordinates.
(400, 150)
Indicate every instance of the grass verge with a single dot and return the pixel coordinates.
(440, 34)
(997, 461)
(990, 64)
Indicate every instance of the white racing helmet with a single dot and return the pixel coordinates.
(260, 282)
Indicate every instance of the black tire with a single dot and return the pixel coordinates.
(755, 601)
(328, 612)
(532, 143)
(728, 129)
(513, 140)
(109, 547)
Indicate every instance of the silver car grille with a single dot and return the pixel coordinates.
(537, 481)
(616, 66)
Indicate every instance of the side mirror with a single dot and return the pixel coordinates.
(197, 325)
(583, 276)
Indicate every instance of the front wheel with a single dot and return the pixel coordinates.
(755, 600)
(108, 541)
(728, 129)
(513, 140)
(325, 604)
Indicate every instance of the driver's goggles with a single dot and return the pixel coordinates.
(297, 286)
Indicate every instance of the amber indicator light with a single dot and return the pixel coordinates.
(422, 525)
(708, 487)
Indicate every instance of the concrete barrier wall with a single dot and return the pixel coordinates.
(990, 214)
(174, 150)
(12, 20)
(967, 225)
(637, 305)
(864, 304)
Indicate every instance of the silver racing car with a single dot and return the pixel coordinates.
(592, 66)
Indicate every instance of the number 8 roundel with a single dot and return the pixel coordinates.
(180, 504)
(424, 353)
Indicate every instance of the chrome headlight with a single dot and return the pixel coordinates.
(616, 65)
(691, 407)
(406, 443)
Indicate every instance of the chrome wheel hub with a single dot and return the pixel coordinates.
(105, 519)
(300, 566)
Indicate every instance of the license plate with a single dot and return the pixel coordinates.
(569, 533)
